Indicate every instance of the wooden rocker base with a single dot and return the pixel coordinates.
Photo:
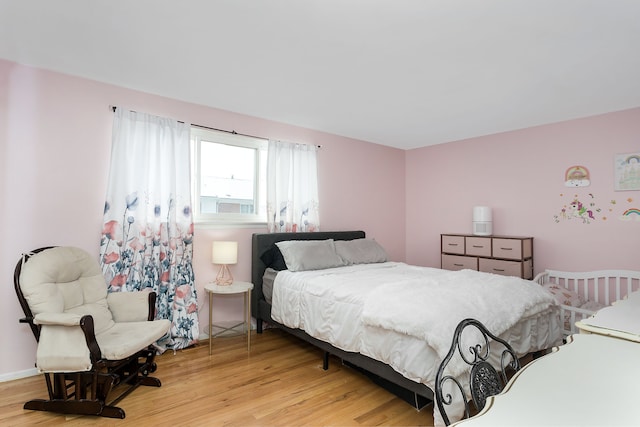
(97, 392)
(78, 407)
(150, 382)
(93, 406)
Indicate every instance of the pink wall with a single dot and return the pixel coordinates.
(55, 139)
(55, 142)
(520, 175)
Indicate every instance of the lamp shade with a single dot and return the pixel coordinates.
(224, 253)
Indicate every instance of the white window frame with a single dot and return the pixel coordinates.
(199, 134)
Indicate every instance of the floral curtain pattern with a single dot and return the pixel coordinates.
(147, 237)
(292, 187)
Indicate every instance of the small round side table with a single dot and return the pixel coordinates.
(234, 288)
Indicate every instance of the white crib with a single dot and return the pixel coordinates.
(583, 293)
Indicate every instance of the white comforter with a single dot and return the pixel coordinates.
(405, 315)
(429, 306)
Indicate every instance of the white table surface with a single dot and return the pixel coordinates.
(621, 320)
(234, 288)
(592, 381)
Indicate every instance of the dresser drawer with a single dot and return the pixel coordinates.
(497, 266)
(456, 262)
(478, 246)
(453, 244)
(507, 248)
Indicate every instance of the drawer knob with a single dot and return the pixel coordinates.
(507, 249)
(478, 246)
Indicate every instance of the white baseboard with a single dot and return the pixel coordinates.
(10, 376)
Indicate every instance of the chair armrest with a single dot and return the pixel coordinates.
(132, 306)
(67, 343)
(61, 319)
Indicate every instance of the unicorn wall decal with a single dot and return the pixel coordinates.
(578, 210)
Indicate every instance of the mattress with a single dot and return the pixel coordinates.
(334, 314)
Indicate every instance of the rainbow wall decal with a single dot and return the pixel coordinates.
(631, 214)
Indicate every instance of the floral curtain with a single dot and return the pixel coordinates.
(292, 187)
(147, 236)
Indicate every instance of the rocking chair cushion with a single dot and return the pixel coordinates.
(73, 356)
(127, 338)
(61, 319)
(63, 284)
(129, 306)
(78, 288)
(119, 342)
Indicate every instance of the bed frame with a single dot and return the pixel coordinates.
(416, 394)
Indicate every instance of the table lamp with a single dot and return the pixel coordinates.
(224, 254)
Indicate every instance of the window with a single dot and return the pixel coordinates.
(228, 177)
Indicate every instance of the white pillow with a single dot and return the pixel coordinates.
(360, 251)
(301, 255)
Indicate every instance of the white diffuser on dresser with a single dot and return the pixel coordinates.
(482, 222)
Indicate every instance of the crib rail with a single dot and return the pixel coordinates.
(602, 287)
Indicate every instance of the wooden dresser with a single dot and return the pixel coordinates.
(506, 255)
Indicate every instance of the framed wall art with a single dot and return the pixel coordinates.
(627, 172)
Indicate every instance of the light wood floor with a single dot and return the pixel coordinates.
(279, 383)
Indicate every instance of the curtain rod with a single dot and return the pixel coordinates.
(233, 132)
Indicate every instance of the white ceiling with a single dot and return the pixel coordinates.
(403, 73)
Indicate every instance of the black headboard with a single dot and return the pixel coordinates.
(262, 242)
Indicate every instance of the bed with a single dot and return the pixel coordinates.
(402, 362)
